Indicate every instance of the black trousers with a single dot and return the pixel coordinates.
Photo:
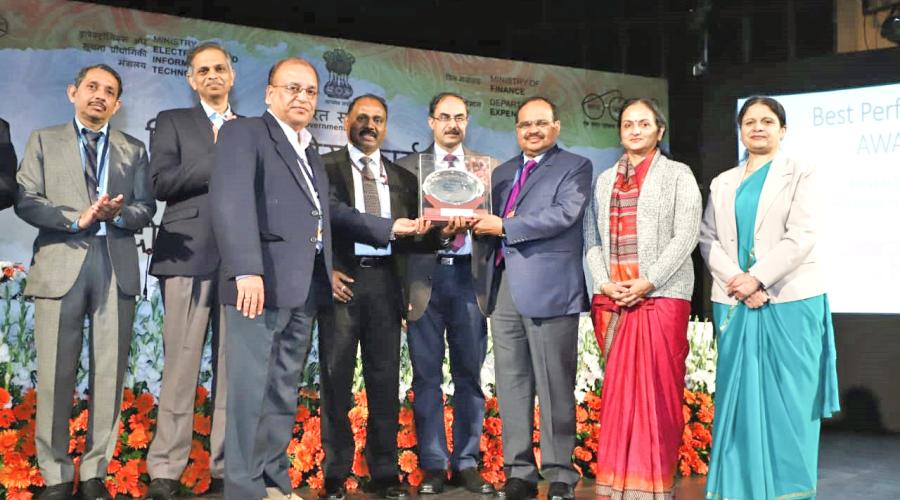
(371, 320)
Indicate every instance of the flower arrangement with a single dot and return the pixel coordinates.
(127, 473)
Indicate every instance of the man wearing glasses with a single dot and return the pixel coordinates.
(272, 222)
(443, 302)
(535, 284)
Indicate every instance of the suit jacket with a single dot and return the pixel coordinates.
(404, 200)
(785, 231)
(544, 239)
(8, 184)
(52, 194)
(420, 265)
(263, 214)
(182, 156)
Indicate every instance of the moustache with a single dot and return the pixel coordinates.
(368, 131)
(536, 134)
(97, 103)
(454, 131)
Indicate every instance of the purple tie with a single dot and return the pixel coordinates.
(511, 201)
(451, 160)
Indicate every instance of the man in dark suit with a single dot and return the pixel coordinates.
(534, 285)
(272, 223)
(369, 303)
(8, 184)
(86, 187)
(442, 298)
(186, 261)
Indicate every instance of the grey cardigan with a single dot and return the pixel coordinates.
(668, 224)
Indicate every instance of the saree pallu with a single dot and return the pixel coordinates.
(641, 421)
(776, 379)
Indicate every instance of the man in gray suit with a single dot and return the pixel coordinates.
(186, 261)
(8, 184)
(534, 285)
(442, 299)
(86, 187)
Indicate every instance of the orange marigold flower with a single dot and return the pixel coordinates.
(415, 477)
(30, 397)
(26, 445)
(5, 398)
(361, 398)
(303, 460)
(200, 396)
(536, 436)
(79, 423)
(686, 413)
(17, 494)
(302, 414)
(145, 402)
(316, 482)
(296, 477)
(706, 414)
(491, 405)
(581, 415)
(139, 438)
(191, 475)
(493, 425)
(690, 397)
(23, 411)
(406, 439)
(202, 424)
(408, 461)
(8, 441)
(406, 416)
(127, 399)
(7, 418)
(139, 420)
(203, 484)
(593, 401)
(583, 454)
(16, 471)
(127, 478)
(76, 445)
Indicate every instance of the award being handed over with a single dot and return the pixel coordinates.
(454, 187)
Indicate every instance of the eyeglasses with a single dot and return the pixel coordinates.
(293, 89)
(528, 125)
(445, 118)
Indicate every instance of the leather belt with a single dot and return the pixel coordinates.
(453, 260)
(372, 261)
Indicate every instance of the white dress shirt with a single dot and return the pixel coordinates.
(375, 169)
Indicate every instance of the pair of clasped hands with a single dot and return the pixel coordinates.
(105, 209)
(480, 224)
(747, 289)
(627, 293)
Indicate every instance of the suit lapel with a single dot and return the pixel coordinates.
(204, 126)
(71, 165)
(777, 179)
(730, 184)
(347, 176)
(318, 168)
(286, 152)
(114, 169)
(535, 176)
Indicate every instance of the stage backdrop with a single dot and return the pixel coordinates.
(44, 42)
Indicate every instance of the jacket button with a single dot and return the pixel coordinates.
(312, 239)
(314, 213)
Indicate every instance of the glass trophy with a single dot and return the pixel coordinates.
(460, 189)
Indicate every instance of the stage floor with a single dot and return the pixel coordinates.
(850, 466)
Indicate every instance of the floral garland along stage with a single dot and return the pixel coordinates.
(127, 473)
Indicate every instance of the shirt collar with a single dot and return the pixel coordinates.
(211, 113)
(304, 136)
(103, 130)
(356, 155)
(440, 153)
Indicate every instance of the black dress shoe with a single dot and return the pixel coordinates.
(389, 488)
(61, 491)
(93, 489)
(560, 491)
(216, 486)
(472, 481)
(433, 483)
(333, 490)
(163, 489)
(518, 489)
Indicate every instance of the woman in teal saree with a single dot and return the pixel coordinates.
(776, 374)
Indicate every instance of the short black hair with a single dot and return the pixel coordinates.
(554, 111)
(658, 115)
(280, 62)
(440, 97)
(200, 47)
(766, 101)
(368, 96)
(84, 71)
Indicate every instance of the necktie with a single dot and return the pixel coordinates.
(90, 163)
(513, 196)
(370, 187)
(451, 161)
